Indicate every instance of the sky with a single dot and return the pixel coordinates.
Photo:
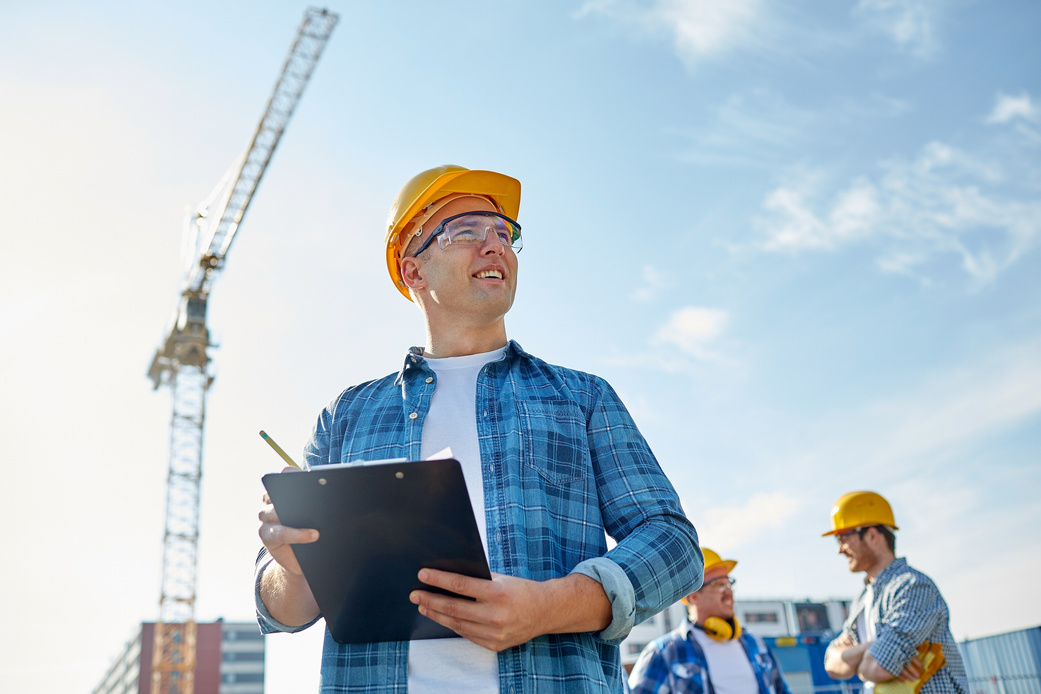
(800, 239)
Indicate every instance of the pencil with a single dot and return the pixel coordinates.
(278, 449)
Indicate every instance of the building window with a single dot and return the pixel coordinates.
(812, 617)
(761, 617)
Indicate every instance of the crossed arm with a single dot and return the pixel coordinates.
(843, 659)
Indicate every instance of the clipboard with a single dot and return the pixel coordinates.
(378, 525)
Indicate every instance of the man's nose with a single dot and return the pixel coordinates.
(492, 242)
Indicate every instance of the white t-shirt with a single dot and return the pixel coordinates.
(866, 627)
(456, 665)
(728, 665)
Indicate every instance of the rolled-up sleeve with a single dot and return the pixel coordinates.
(619, 591)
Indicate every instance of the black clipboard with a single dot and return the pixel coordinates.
(379, 524)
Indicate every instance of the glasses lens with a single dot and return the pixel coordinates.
(844, 537)
(721, 583)
(473, 228)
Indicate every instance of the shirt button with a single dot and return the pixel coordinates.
(430, 379)
(413, 415)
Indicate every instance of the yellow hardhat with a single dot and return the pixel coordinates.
(859, 509)
(713, 560)
(432, 185)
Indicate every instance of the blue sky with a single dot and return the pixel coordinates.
(800, 239)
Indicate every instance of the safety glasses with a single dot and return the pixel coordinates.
(859, 532)
(720, 583)
(471, 229)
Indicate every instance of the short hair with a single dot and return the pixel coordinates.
(889, 535)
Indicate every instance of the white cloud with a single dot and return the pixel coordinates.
(797, 227)
(1007, 108)
(904, 263)
(705, 27)
(909, 23)
(727, 528)
(653, 282)
(697, 28)
(943, 204)
(692, 329)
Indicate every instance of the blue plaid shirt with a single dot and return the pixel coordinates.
(676, 664)
(908, 610)
(562, 463)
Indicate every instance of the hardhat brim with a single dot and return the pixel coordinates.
(836, 531)
(727, 564)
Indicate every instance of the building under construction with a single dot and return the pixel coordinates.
(229, 660)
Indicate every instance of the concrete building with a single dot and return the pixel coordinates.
(229, 660)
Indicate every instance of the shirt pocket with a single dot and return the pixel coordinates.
(554, 441)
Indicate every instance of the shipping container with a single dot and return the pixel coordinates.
(1008, 663)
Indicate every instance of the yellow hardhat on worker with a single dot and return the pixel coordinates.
(432, 185)
(713, 560)
(860, 509)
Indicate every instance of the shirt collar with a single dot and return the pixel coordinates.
(415, 363)
(895, 567)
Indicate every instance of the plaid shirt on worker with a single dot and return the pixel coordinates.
(908, 609)
(676, 664)
(562, 462)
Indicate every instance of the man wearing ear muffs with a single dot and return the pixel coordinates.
(709, 653)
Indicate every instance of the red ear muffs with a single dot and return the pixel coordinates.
(721, 629)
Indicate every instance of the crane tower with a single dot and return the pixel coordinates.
(181, 361)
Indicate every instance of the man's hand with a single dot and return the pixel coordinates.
(911, 671)
(283, 588)
(842, 642)
(843, 657)
(278, 538)
(508, 611)
(870, 670)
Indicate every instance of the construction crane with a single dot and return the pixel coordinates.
(182, 362)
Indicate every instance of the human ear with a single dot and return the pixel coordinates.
(411, 272)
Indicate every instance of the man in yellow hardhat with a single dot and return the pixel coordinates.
(898, 615)
(553, 463)
(709, 653)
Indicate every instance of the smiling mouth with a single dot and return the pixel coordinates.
(486, 274)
